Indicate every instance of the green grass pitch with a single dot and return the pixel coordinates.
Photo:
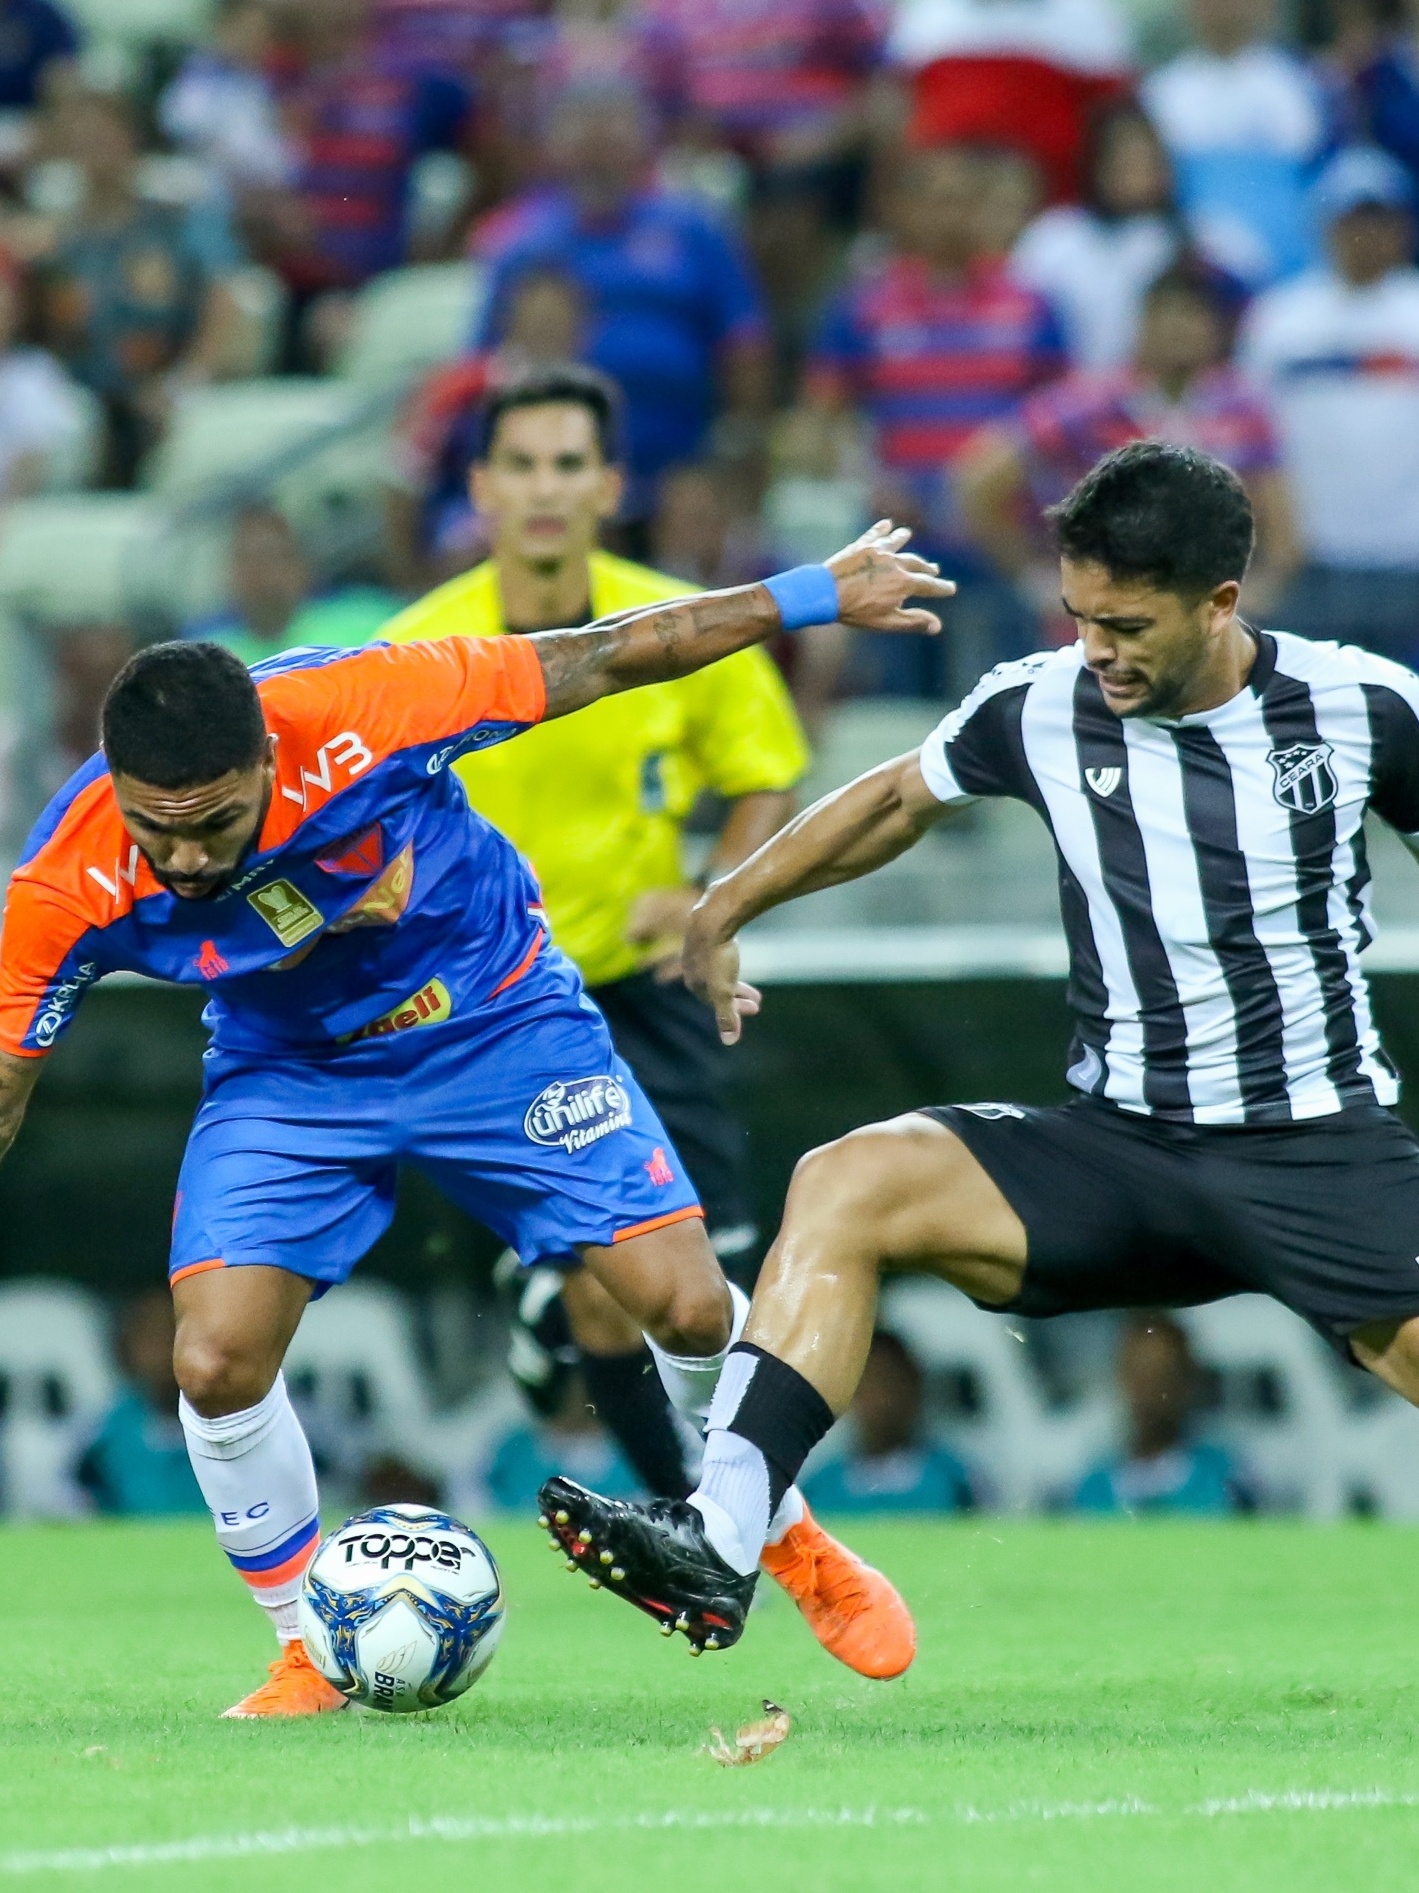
(1096, 1708)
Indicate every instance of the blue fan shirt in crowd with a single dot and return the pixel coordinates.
(32, 34)
(1197, 1478)
(667, 289)
(915, 1479)
(137, 1462)
(1246, 132)
(530, 1455)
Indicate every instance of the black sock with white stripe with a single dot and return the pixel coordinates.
(764, 1421)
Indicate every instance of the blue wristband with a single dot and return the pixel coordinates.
(806, 595)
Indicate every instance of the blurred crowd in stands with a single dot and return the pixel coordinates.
(842, 258)
(887, 1457)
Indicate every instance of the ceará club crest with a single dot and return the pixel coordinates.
(1305, 778)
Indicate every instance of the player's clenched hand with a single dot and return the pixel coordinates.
(876, 577)
(711, 970)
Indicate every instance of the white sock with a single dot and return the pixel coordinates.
(257, 1476)
(690, 1379)
(735, 1486)
(733, 1500)
(792, 1510)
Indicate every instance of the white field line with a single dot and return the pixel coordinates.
(300, 1840)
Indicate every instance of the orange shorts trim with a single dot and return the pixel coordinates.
(523, 965)
(659, 1222)
(195, 1268)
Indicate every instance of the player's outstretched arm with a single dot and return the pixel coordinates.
(873, 579)
(17, 1080)
(844, 836)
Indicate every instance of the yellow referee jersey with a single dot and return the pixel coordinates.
(597, 801)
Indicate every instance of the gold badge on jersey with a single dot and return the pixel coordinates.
(286, 911)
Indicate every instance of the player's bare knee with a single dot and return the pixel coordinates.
(694, 1319)
(218, 1376)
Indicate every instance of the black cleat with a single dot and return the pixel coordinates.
(654, 1555)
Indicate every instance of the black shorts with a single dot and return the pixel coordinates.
(1123, 1211)
(670, 1041)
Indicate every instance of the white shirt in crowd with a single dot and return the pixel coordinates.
(1094, 271)
(225, 115)
(1242, 130)
(1086, 36)
(1341, 365)
(42, 414)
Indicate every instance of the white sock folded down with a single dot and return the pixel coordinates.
(257, 1476)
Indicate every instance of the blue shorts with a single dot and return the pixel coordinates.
(525, 1117)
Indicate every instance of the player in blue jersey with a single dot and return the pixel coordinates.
(383, 991)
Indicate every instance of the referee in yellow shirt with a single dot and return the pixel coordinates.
(598, 804)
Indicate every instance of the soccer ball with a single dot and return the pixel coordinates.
(402, 1608)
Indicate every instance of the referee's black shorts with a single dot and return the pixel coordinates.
(1123, 1211)
(670, 1041)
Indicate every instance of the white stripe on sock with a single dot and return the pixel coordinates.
(733, 1499)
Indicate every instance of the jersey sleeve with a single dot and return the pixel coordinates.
(47, 962)
(459, 690)
(977, 750)
(1392, 704)
(744, 732)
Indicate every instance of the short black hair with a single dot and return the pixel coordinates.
(1173, 517)
(181, 714)
(564, 384)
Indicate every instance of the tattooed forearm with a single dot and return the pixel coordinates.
(875, 577)
(651, 646)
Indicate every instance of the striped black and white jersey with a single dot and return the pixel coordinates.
(1212, 871)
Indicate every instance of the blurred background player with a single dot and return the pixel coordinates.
(599, 807)
(1180, 386)
(136, 1460)
(1163, 1467)
(892, 1465)
(274, 603)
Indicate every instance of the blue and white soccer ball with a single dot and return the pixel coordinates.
(402, 1608)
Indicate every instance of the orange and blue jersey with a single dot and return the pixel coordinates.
(373, 904)
(371, 876)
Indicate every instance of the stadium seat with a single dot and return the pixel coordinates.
(858, 736)
(91, 555)
(983, 1396)
(56, 1380)
(409, 320)
(355, 1374)
(138, 23)
(1380, 1458)
(354, 1371)
(233, 427)
(1280, 1407)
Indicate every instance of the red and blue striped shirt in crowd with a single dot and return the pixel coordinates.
(449, 36)
(1065, 429)
(357, 128)
(757, 67)
(932, 359)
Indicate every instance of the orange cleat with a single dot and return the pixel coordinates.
(295, 1688)
(853, 1611)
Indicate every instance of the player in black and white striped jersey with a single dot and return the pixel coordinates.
(1212, 869)
(1205, 784)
